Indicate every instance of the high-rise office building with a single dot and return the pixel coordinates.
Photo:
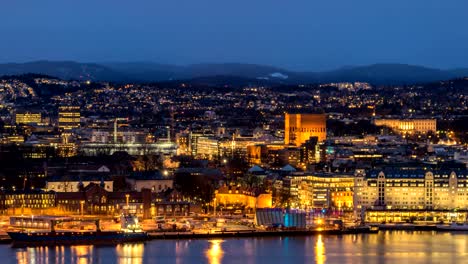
(298, 128)
(310, 152)
(69, 117)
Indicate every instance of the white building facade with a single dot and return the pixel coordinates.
(414, 189)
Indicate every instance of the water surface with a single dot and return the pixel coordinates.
(386, 247)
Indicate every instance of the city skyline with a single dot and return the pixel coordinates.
(233, 131)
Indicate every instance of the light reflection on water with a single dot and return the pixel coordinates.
(385, 247)
(130, 253)
(82, 254)
(215, 253)
(320, 251)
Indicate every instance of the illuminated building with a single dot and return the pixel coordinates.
(152, 180)
(65, 148)
(95, 200)
(272, 154)
(241, 197)
(15, 202)
(407, 216)
(207, 147)
(28, 118)
(69, 117)
(92, 199)
(298, 128)
(39, 151)
(96, 148)
(100, 136)
(192, 141)
(289, 156)
(408, 125)
(411, 189)
(74, 184)
(12, 140)
(342, 199)
(183, 142)
(319, 190)
(133, 142)
(310, 152)
(255, 154)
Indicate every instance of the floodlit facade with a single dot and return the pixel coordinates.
(320, 191)
(298, 128)
(411, 189)
(408, 125)
(31, 200)
(238, 196)
(208, 147)
(74, 185)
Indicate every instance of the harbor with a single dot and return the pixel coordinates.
(53, 230)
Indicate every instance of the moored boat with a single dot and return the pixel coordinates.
(130, 232)
(28, 238)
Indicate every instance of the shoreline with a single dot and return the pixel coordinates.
(252, 233)
(280, 233)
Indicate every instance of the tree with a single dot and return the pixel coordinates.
(251, 180)
(237, 166)
(148, 162)
(195, 186)
(285, 199)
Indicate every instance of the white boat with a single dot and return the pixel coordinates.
(453, 227)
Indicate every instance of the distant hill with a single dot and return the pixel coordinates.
(157, 72)
(154, 72)
(387, 74)
(460, 72)
(64, 70)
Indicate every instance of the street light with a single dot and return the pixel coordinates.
(127, 197)
(214, 207)
(82, 207)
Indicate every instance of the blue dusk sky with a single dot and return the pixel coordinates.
(296, 34)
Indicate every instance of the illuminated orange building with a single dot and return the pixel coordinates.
(300, 127)
(239, 196)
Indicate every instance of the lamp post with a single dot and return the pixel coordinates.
(127, 197)
(214, 207)
(82, 207)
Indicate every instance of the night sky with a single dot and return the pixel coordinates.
(297, 34)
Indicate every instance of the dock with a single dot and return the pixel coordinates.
(252, 233)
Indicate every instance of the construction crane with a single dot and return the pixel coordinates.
(115, 126)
